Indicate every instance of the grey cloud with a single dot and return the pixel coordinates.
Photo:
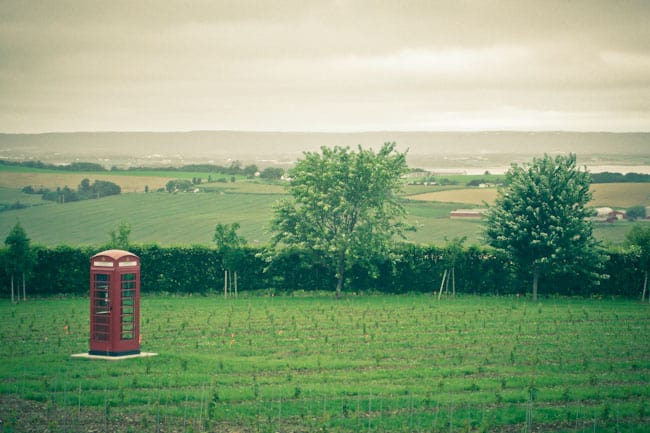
(213, 64)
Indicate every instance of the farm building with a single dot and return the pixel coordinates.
(607, 214)
(603, 212)
(467, 213)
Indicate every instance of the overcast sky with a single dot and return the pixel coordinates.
(165, 65)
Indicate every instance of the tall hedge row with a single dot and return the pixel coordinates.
(410, 268)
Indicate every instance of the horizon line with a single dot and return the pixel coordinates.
(369, 131)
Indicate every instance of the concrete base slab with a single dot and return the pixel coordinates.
(114, 358)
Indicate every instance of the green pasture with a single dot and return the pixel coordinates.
(364, 363)
(188, 218)
(163, 218)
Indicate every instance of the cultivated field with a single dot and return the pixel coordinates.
(371, 363)
(186, 218)
(618, 195)
(54, 179)
(621, 195)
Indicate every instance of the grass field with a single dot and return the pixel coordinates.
(184, 219)
(166, 219)
(372, 363)
(15, 177)
(54, 179)
(617, 195)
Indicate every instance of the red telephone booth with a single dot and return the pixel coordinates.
(114, 303)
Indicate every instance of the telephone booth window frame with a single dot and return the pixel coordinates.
(101, 306)
(128, 323)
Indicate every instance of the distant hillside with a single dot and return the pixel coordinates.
(452, 150)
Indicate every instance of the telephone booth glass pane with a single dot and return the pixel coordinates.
(127, 310)
(101, 307)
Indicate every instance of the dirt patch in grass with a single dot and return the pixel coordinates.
(469, 196)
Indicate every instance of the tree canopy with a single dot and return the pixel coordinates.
(343, 205)
(19, 252)
(20, 258)
(120, 236)
(639, 238)
(540, 217)
(230, 244)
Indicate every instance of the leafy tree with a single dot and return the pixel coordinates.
(343, 205)
(83, 166)
(120, 236)
(84, 186)
(103, 188)
(639, 238)
(272, 173)
(235, 168)
(540, 219)
(231, 246)
(178, 185)
(250, 170)
(85, 191)
(635, 212)
(61, 195)
(19, 258)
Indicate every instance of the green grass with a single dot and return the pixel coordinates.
(371, 363)
(433, 225)
(166, 219)
(185, 218)
(13, 195)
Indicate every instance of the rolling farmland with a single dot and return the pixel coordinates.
(621, 195)
(167, 219)
(54, 179)
(310, 363)
(186, 218)
(618, 195)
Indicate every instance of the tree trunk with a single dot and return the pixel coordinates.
(339, 285)
(24, 293)
(340, 275)
(645, 286)
(12, 289)
(447, 283)
(535, 280)
(453, 282)
(225, 283)
(442, 284)
(235, 284)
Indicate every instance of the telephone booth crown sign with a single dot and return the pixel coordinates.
(114, 303)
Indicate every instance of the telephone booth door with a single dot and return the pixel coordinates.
(114, 303)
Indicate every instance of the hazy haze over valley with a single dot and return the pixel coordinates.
(455, 151)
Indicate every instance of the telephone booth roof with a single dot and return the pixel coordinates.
(114, 254)
(124, 258)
